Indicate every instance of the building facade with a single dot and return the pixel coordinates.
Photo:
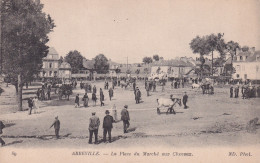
(247, 65)
(51, 67)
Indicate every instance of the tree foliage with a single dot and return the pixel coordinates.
(101, 63)
(156, 57)
(25, 29)
(75, 59)
(245, 48)
(147, 60)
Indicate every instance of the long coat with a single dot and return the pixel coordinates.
(108, 121)
(125, 114)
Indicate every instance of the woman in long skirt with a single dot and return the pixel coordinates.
(85, 99)
(35, 104)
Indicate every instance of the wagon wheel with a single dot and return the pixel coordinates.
(158, 111)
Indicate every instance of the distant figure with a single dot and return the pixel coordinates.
(134, 86)
(185, 100)
(93, 127)
(94, 98)
(30, 105)
(56, 125)
(147, 90)
(107, 126)
(154, 85)
(38, 93)
(111, 93)
(77, 101)
(1, 131)
(85, 100)
(114, 112)
(231, 92)
(236, 91)
(94, 89)
(101, 97)
(125, 118)
(35, 104)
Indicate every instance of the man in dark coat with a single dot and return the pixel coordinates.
(56, 125)
(111, 93)
(94, 89)
(102, 98)
(134, 86)
(185, 100)
(231, 92)
(137, 95)
(77, 101)
(93, 128)
(1, 131)
(125, 118)
(107, 126)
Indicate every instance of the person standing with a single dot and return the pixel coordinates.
(114, 112)
(111, 93)
(35, 104)
(77, 101)
(101, 97)
(94, 98)
(147, 90)
(94, 89)
(1, 131)
(125, 118)
(107, 126)
(56, 125)
(134, 86)
(93, 127)
(154, 85)
(30, 105)
(38, 93)
(49, 92)
(185, 100)
(85, 99)
(231, 92)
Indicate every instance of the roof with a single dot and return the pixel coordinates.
(254, 57)
(88, 64)
(52, 51)
(64, 65)
(173, 63)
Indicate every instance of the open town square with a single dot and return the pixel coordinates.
(120, 74)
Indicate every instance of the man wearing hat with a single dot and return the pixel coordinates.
(56, 125)
(185, 100)
(107, 126)
(125, 118)
(93, 127)
(137, 95)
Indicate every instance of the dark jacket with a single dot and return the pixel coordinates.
(56, 124)
(1, 127)
(30, 102)
(108, 121)
(77, 99)
(110, 91)
(125, 114)
(185, 98)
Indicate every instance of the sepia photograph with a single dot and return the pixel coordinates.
(129, 80)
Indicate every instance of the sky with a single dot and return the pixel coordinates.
(138, 28)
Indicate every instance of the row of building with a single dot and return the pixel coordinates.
(246, 66)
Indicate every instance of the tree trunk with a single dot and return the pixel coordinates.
(20, 92)
(231, 65)
(212, 64)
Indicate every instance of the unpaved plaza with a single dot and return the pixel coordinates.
(210, 120)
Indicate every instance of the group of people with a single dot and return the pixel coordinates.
(177, 84)
(44, 93)
(33, 104)
(94, 124)
(246, 91)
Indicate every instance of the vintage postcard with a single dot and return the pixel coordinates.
(129, 80)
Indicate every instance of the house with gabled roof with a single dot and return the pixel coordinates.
(247, 65)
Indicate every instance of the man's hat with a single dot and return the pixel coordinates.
(126, 106)
(93, 113)
(107, 111)
(56, 117)
(185, 92)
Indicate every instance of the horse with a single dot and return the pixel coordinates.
(168, 103)
(194, 85)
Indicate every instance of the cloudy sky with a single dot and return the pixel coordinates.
(138, 28)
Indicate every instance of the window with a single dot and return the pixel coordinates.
(50, 73)
(245, 76)
(246, 57)
(55, 73)
(237, 75)
(241, 58)
(238, 68)
(50, 65)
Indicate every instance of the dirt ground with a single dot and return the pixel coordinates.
(210, 120)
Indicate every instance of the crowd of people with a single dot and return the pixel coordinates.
(247, 91)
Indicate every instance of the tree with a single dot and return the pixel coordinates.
(156, 57)
(232, 48)
(24, 36)
(245, 48)
(199, 45)
(75, 59)
(147, 60)
(101, 63)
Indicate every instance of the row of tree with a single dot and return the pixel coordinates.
(207, 45)
(148, 60)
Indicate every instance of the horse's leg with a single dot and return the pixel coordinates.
(158, 111)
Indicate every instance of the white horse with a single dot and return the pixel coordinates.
(194, 85)
(167, 102)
